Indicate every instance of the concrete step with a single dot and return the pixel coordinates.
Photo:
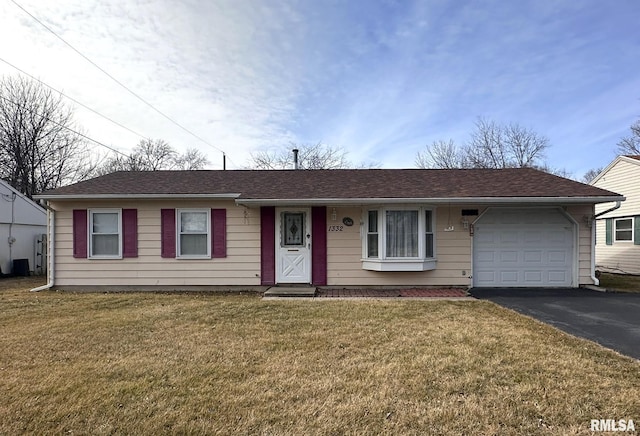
(291, 291)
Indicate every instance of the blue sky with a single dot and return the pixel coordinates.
(379, 78)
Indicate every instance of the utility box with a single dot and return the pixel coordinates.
(21, 267)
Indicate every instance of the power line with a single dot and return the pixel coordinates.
(74, 100)
(81, 104)
(65, 127)
(116, 80)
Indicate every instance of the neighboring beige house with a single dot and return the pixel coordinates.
(618, 231)
(22, 225)
(343, 228)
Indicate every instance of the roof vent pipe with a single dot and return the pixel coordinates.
(295, 158)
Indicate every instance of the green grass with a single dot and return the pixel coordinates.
(620, 282)
(142, 363)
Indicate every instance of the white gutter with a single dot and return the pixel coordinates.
(596, 281)
(457, 200)
(329, 201)
(135, 196)
(617, 206)
(51, 245)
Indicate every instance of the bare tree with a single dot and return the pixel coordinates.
(441, 154)
(491, 146)
(154, 155)
(39, 146)
(192, 159)
(510, 146)
(562, 172)
(630, 145)
(591, 174)
(310, 157)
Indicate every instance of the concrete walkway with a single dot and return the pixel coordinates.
(391, 293)
(368, 293)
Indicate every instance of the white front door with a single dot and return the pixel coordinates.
(293, 246)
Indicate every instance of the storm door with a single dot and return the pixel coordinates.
(293, 246)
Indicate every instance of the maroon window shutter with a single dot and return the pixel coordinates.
(129, 232)
(319, 246)
(268, 245)
(219, 233)
(168, 230)
(80, 233)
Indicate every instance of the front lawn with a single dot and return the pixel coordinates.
(144, 363)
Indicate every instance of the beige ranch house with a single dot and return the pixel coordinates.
(371, 227)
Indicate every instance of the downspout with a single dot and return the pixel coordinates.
(51, 245)
(11, 239)
(596, 281)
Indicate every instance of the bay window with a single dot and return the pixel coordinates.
(399, 239)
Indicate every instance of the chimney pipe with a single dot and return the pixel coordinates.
(295, 159)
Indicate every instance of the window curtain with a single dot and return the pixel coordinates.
(106, 240)
(193, 233)
(402, 233)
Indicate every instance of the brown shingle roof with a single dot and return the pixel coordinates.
(335, 184)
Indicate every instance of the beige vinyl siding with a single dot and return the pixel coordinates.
(622, 256)
(581, 214)
(623, 178)
(453, 251)
(241, 267)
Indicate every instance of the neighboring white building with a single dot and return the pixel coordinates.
(22, 224)
(618, 231)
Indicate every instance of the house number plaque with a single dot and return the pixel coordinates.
(340, 228)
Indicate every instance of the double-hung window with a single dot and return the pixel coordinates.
(194, 233)
(372, 234)
(105, 233)
(399, 239)
(624, 229)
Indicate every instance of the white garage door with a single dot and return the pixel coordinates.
(523, 248)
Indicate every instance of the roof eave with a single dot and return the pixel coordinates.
(67, 197)
(606, 169)
(453, 200)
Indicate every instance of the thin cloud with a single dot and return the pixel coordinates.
(381, 79)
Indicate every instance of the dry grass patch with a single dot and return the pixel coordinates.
(620, 282)
(19, 284)
(202, 363)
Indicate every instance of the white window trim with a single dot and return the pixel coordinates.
(90, 234)
(615, 233)
(382, 262)
(178, 233)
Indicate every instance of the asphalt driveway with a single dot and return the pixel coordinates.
(610, 319)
